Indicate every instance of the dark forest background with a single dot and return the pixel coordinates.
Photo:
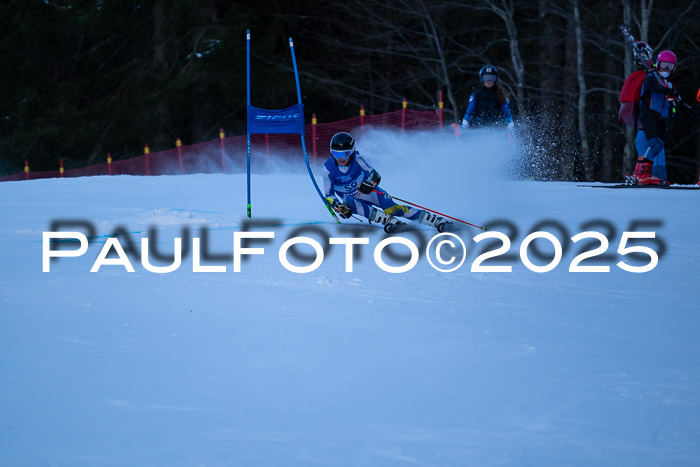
(84, 78)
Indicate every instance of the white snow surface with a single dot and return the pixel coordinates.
(270, 367)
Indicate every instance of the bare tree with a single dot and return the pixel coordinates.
(506, 11)
(628, 152)
(582, 115)
(405, 44)
(646, 6)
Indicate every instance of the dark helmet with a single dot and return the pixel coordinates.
(492, 71)
(342, 145)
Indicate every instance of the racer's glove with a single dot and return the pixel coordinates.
(344, 211)
(371, 183)
(671, 92)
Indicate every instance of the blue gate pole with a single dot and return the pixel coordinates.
(303, 143)
(247, 123)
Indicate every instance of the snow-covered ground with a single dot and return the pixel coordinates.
(271, 367)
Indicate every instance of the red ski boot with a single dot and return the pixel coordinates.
(642, 175)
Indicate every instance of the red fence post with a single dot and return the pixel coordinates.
(146, 152)
(403, 114)
(60, 170)
(178, 145)
(442, 111)
(109, 163)
(362, 119)
(223, 150)
(26, 170)
(313, 135)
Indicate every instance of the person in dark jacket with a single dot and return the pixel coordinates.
(489, 105)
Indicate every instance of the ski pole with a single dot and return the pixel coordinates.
(330, 210)
(427, 209)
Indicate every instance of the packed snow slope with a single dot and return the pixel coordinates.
(270, 367)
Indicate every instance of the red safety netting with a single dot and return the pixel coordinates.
(228, 155)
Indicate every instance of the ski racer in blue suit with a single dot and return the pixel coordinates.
(351, 187)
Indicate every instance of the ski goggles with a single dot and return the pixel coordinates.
(489, 77)
(342, 155)
(667, 66)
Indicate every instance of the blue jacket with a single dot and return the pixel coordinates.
(343, 181)
(652, 98)
(484, 109)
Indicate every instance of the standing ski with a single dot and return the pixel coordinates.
(642, 56)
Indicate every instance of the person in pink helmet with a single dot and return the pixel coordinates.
(657, 98)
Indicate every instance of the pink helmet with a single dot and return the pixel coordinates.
(666, 56)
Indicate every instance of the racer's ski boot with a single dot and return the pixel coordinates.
(390, 223)
(433, 220)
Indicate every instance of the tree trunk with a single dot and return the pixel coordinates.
(697, 155)
(628, 154)
(507, 14)
(204, 124)
(589, 165)
(646, 7)
(569, 142)
(609, 128)
(160, 70)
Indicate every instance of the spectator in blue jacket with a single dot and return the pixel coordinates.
(488, 105)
